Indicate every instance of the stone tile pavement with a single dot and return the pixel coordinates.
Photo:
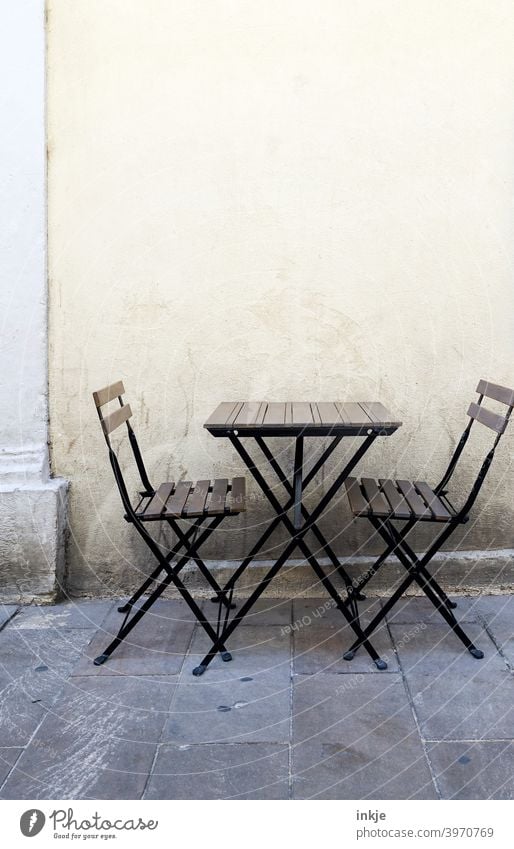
(288, 718)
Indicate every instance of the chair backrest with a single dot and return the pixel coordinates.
(494, 421)
(112, 420)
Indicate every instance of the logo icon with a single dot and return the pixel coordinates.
(31, 822)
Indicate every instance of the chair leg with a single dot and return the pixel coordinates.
(193, 553)
(125, 608)
(418, 571)
(450, 618)
(171, 577)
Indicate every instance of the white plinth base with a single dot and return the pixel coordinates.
(32, 541)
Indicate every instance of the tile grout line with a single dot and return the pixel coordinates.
(414, 714)
(291, 671)
(485, 625)
(172, 700)
(25, 748)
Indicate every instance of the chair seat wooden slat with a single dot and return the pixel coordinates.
(399, 506)
(358, 504)
(415, 502)
(157, 503)
(195, 504)
(178, 499)
(435, 504)
(218, 497)
(378, 503)
(236, 499)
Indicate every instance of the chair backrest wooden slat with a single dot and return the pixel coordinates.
(108, 393)
(487, 418)
(498, 393)
(115, 419)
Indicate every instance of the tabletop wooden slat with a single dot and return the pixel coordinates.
(352, 412)
(223, 413)
(248, 414)
(275, 414)
(290, 418)
(302, 413)
(376, 411)
(329, 413)
(315, 413)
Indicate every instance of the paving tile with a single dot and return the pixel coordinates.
(226, 771)
(34, 666)
(412, 610)
(155, 646)
(7, 611)
(319, 643)
(249, 709)
(98, 742)
(474, 770)
(498, 613)
(355, 737)
(456, 696)
(68, 614)
(255, 650)
(323, 612)
(268, 611)
(8, 758)
(496, 608)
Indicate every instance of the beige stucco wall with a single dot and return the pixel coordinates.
(278, 200)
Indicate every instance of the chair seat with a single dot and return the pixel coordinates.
(191, 500)
(396, 499)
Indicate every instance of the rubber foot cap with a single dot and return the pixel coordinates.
(349, 655)
(451, 604)
(100, 659)
(360, 596)
(124, 608)
(226, 656)
(380, 664)
(199, 670)
(478, 653)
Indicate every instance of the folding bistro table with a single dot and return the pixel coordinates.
(297, 421)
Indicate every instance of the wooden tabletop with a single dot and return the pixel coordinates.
(308, 418)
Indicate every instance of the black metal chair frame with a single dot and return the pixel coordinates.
(297, 532)
(188, 541)
(395, 539)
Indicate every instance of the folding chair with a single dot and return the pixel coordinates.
(202, 505)
(412, 502)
